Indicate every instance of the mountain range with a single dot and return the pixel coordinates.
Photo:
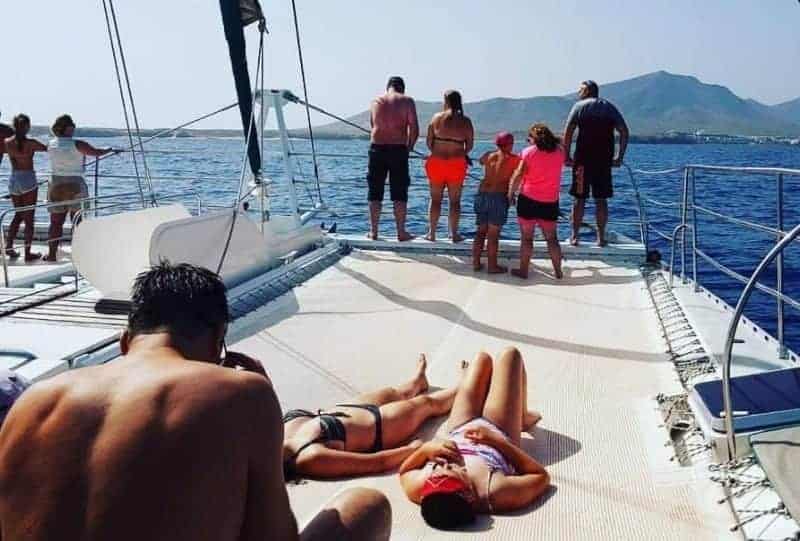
(653, 104)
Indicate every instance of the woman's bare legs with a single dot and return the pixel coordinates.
(529, 417)
(472, 390)
(506, 401)
(356, 514)
(525, 252)
(401, 420)
(435, 209)
(554, 248)
(454, 195)
(416, 386)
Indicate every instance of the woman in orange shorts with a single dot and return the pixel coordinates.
(450, 139)
(538, 178)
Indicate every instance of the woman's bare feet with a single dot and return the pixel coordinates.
(477, 267)
(530, 419)
(405, 236)
(519, 274)
(32, 256)
(457, 237)
(430, 236)
(497, 269)
(421, 379)
(12, 253)
(372, 236)
(558, 273)
(573, 241)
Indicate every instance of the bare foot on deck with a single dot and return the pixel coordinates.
(421, 379)
(602, 243)
(457, 238)
(12, 253)
(499, 269)
(405, 236)
(530, 419)
(372, 236)
(430, 236)
(573, 241)
(50, 259)
(519, 274)
(559, 274)
(33, 256)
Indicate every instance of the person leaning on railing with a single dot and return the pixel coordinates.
(23, 188)
(67, 156)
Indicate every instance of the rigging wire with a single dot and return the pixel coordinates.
(251, 125)
(305, 95)
(167, 131)
(124, 102)
(148, 179)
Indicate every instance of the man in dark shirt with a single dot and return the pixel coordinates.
(596, 120)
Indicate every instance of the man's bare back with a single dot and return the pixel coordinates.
(149, 447)
(393, 117)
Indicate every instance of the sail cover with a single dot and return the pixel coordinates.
(236, 15)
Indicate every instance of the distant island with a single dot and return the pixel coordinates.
(659, 107)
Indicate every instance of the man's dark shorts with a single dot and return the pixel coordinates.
(491, 208)
(391, 160)
(594, 180)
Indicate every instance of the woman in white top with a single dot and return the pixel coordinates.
(67, 156)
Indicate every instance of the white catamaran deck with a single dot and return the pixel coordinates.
(595, 359)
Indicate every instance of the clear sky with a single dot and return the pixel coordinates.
(56, 57)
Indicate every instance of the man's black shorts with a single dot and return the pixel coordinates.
(591, 179)
(391, 159)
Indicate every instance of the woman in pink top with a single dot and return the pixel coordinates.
(539, 174)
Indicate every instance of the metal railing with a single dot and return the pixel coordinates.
(775, 253)
(86, 204)
(689, 209)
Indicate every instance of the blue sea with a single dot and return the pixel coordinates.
(211, 167)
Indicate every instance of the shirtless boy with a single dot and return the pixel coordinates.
(491, 202)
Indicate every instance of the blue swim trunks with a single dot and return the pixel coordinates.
(21, 182)
(491, 208)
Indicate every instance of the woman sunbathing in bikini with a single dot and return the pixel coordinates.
(481, 468)
(370, 435)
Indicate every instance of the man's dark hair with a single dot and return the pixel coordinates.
(447, 511)
(182, 299)
(397, 83)
(591, 88)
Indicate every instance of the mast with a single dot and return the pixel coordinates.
(236, 15)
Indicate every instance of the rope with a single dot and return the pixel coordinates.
(133, 104)
(305, 95)
(168, 131)
(251, 125)
(122, 98)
